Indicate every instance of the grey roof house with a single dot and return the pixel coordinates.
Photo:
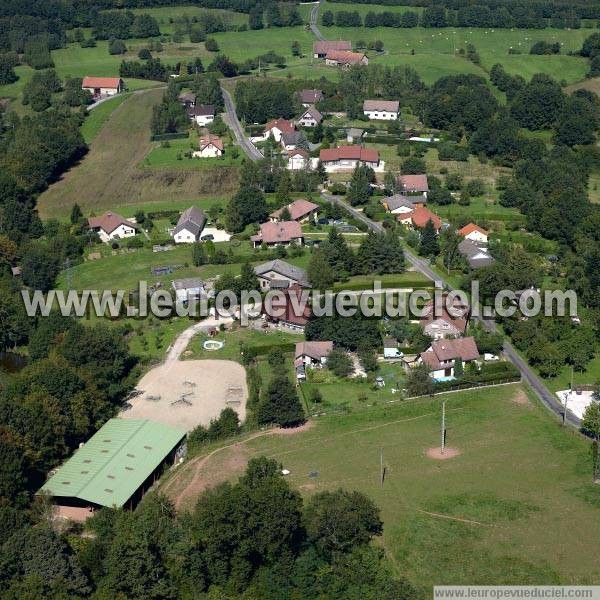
(190, 226)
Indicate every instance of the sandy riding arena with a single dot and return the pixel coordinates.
(190, 392)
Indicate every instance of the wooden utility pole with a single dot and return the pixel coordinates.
(443, 426)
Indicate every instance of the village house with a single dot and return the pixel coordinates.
(320, 49)
(298, 159)
(442, 355)
(103, 86)
(300, 210)
(390, 348)
(190, 226)
(291, 140)
(291, 310)
(345, 158)
(282, 233)
(210, 146)
(477, 256)
(203, 114)
(189, 289)
(310, 97)
(311, 355)
(419, 217)
(474, 233)
(277, 127)
(279, 274)
(111, 226)
(399, 204)
(445, 321)
(345, 59)
(381, 110)
(188, 99)
(414, 184)
(311, 117)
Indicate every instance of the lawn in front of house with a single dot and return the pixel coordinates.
(176, 154)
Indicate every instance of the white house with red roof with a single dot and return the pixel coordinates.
(282, 233)
(345, 59)
(300, 210)
(419, 217)
(210, 146)
(111, 226)
(414, 184)
(277, 127)
(298, 159)
(442, 355)
(345, 158)
(473, 232)
(102, 86)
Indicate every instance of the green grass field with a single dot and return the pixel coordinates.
(99, 115)
(173, 156)
(516, 506)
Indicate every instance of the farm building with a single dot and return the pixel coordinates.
(322, 48)
(345, 59)
(114, 468)
(103, 86)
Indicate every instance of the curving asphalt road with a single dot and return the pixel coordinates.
(247, 146)
(549, 400)
(314, 13)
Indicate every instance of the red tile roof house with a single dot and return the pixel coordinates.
(103, 86)
(445, 321)
(111, 226)
(441, 356)
(283, 233)
(310, 97)
(414, 184)
(418, 218)
(300, 210)
(290, 310)
(298, 159)
(474, 233)
(345, 59)
(320, 49)
(311, 354)
(209, 146)
(277, 127)
(345, 158)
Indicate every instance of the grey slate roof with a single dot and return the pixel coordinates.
(192, 219)
(283, 268)
(292, 138)
(470, 250)
(398, 200)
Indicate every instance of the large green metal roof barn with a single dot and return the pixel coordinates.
(115, 462)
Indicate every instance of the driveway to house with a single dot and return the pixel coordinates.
(247, 146)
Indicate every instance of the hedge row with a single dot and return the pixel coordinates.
(160, 137)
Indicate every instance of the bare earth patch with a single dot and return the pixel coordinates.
(436, 453)
(521, 398)
(188, 393)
